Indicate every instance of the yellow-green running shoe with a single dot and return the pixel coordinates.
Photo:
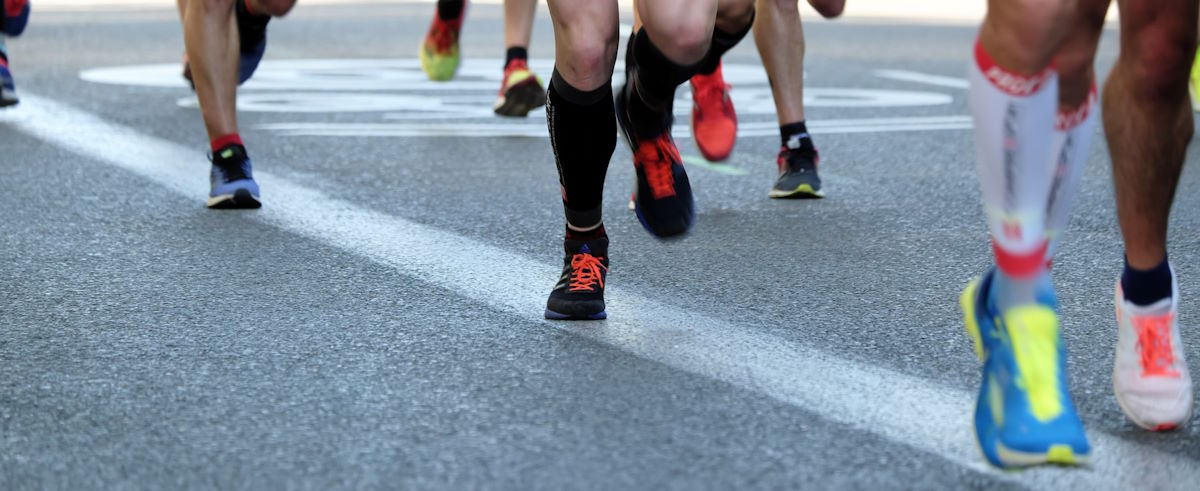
(439, 49)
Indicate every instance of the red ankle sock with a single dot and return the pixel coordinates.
(226, 140)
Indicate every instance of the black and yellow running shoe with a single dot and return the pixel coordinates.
(798, 173)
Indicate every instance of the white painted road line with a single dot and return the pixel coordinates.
(538, 129)
(923, 78)
(915, 412)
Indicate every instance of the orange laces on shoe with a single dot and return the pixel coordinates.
(586, 271)
(656, 158)
(1154, 341)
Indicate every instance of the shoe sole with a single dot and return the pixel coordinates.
(519, 99)
(552, 315)
(1058, 454)
(803, 191)
(239, 200)
(8, 98)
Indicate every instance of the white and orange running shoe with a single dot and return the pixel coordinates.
(1150, 375)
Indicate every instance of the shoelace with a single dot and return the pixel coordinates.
(656, 158)
(586, 271)
(1154, 342)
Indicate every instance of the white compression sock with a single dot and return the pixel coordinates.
(1014, 122)
(1073, 132)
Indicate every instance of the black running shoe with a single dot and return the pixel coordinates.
(662, 194)
(579, 294)
(798, 174)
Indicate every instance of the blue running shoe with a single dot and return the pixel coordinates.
(662, 195)
(1024, 415)
(8, 90)
(232, 180)
(13, 17)
(252, 39)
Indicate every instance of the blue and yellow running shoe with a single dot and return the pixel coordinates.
(1024, 415)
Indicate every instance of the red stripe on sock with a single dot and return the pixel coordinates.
(1008, 81)
(249, 9)
(224, 141)
(1021, 265)
(1071, 118)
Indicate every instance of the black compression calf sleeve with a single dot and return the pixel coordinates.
(650, 90)
(583, 138)
(655, 76)
(721, 43)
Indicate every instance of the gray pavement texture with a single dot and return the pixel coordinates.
(146, 342)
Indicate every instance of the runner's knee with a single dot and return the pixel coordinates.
(684, 40)
(1160, 59)
(588, 62)
(1029, 32)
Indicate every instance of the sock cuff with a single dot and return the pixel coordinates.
(1007, 81)
(583, 218)
(515, 53)
(226, 140)
(1070, 118)
(561, 88)
(1020, 265)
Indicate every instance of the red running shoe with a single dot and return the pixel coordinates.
(714, 122)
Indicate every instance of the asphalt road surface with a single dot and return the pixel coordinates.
(378, 324)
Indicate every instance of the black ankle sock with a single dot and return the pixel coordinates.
(1146, 287)
(515, 53)
(581, 134)
(722, 42)
(651, 89)
(794, 135)
(592, 234)
(449, 9)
